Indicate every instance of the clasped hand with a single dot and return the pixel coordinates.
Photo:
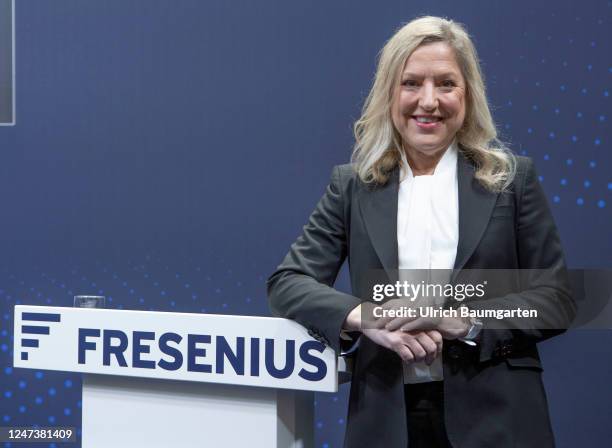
(449, 327)
(415, 339)
(411, 346)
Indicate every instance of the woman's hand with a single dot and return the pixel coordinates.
(393, 323)
(413, 346)
(448, 327)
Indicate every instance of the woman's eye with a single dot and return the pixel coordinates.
(448, 83)
(409, 83)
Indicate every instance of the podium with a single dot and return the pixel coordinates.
(160, 379)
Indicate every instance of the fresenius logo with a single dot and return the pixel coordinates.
(30, 329)
(241, 350)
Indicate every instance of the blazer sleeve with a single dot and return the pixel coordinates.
(301, 287)
(548, 291)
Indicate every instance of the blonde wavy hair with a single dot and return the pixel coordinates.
(378, 145)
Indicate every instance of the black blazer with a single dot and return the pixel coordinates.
(493, 392)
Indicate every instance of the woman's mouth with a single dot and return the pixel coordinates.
(427, 121)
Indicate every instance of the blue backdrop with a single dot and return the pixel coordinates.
(168, 152)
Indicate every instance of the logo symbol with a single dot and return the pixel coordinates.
(35, 329)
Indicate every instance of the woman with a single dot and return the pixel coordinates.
(430, 187)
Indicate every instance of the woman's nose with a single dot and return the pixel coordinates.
(428, 100)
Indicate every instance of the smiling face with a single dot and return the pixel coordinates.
(428, 106)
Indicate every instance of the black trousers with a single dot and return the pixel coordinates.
(425, 415)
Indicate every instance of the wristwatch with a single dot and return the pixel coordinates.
(473, 331)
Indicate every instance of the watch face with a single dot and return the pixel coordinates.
(469, 333)
(474, 329)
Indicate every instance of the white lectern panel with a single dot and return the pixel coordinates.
(123, 412)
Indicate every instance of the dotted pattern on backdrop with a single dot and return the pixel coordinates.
(556, 107)
(560, 117)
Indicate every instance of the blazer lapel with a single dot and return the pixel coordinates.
(379, 212)
(475, 208)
